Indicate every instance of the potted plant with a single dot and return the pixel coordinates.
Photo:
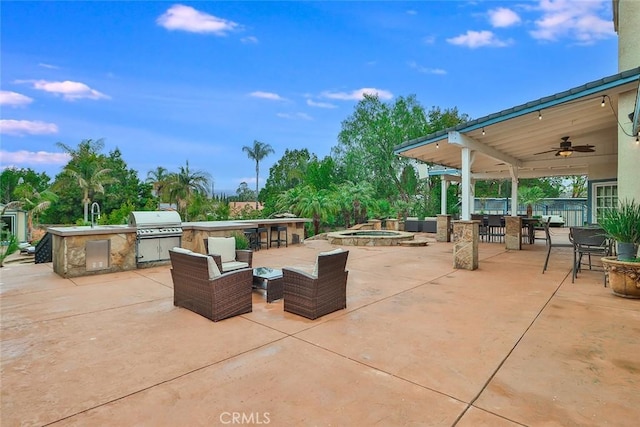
(622, 224)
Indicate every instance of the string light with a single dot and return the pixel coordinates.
(539, 115)
(437, 145)
(482, 131)
(602, 103)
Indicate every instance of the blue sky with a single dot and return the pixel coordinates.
(168, 82)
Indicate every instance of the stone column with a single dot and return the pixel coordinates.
(392, 224)
(465, 248)
(377, 224)
(513, 232)
(443, 228)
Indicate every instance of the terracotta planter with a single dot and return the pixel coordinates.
(624, 277)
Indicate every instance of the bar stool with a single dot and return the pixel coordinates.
(252, 236)
(259, 241)
(279, 229)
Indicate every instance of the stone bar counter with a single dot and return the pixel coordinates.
(84, 250)
(194, 233)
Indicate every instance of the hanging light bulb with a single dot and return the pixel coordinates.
(602, 103)
(539, 115)
(437, 145)
(482, 131)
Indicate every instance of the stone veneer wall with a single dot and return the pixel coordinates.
(70, 259)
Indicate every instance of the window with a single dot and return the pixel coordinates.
(605, 196)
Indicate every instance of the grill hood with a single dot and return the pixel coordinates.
(154, 219)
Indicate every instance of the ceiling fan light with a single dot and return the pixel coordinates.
(565, 153)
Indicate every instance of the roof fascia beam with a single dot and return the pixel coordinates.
(463, 140)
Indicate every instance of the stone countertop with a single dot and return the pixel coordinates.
(86, 230)
(234, 225)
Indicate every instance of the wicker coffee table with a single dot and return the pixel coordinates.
(269, 279)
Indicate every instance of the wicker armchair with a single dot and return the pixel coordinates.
(242, 257)
(313, 296)
(215, 298)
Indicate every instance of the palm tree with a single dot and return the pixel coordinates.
(530, 196)
(33, 202)
(184, 184)
(309, 202)
(159, 179)
(86, 168)
(259, 151)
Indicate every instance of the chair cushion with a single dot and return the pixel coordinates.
(233, 265)
(223, 246)
(214, 271)
(181, 250)
(335, 251)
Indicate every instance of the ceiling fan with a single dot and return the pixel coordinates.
(566, 149)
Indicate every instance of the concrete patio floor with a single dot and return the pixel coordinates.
(420, 343)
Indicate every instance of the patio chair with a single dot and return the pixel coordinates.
(550, 244)
(483, 229)
(199, 286)
(320, 293)
(223, 250)
(495, 225)
(588, 241)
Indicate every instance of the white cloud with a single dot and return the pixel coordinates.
(266, 95)
(474, 39)
(294, 116)
(503, 17)
(425, 70)
(13, 99)
(579, 20)
(429, 40)
(312, 103)
(358, 94)
(53, 67)
(412, 12)
(249, 39)
(26, 127)
(186, 18)
(69, 90)
(27, 158)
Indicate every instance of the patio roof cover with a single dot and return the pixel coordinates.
(514, 136)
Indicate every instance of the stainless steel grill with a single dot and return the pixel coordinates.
(157, 232)
(156, 223)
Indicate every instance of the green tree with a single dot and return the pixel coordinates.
(10, 178)
(124, 189)
(32, 201)
(257, 152)
(159, 179)
(366, 141)
(308, 202)
(244, 193)
(286, 173)
(530, 196)
(87, 169)
(577, 185)
(184, 184)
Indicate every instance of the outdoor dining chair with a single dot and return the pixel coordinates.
(588, 241)
(495, 225)
(550, 244)
(482, 229)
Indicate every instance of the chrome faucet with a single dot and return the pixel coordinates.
(95, 210)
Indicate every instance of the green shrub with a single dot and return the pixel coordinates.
(241, 240)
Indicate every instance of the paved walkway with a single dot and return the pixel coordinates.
(420, 343)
